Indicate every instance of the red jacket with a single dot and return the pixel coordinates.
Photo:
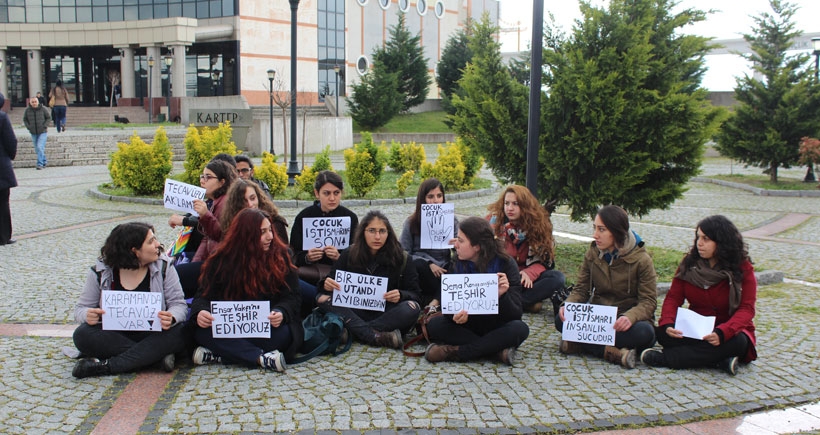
(714, 301)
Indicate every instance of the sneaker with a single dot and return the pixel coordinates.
(569, 347)
(273, 360)
(653, 358)
(391, 339)
(167, 362)
(729, 365)
(507, 356)
(203, 355)
(87, 367)
(39, 167)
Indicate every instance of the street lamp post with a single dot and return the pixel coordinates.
(150, 82)
(271, 76)
(293, 165)
(336, 70)
(169, 60)
(215, 77)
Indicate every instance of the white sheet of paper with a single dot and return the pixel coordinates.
(240, 319)
(475, 292)
(365, 292)
(693, 325)
(131, 310)
(180, 196)
(437, 225)
(326, 231)
(589, 323)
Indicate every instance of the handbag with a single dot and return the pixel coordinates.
(430, 312)
(313, 273)
(51, 101)
(324, 333)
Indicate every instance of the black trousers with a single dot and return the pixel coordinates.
(127, 351)
(473, 344)
(639, 337)
(684, 353)
(429, 283)
(5, 216)
(364, 324)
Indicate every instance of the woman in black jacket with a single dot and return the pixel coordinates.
(376, 251)
(467, 336)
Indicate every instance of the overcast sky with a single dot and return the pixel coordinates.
(732, 20)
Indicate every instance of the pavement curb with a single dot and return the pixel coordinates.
(757, 190)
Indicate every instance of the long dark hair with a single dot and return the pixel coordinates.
(325, 177)
(391, 251)
(117, 252)
(235, 202)
(424, 188)
(479, 232)
(239, 268)
(730, 249)
(617, 222)
(223, 171)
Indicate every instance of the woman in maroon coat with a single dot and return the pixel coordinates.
(717, 279)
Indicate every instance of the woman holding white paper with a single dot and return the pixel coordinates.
(430, 263)
(250, 264)
(525, 227)
(717, 279)
(376, 251)
(617, 272)
(130, 260)
(467, 337)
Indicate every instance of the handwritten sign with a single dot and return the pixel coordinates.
(180, 196)
(326, 231)
(437, 225)
(365, 292)
(244, 319)
(693, 325)
(131, 310)
(589, 323)
(475, 292)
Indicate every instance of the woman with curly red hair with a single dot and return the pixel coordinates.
(251, 264)
(525, 227)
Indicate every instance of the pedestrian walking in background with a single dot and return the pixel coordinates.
(36, 118)
(58, 100)
(41, 99)
(8, 151)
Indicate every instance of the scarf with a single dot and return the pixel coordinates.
(703, 276)
(519, 236)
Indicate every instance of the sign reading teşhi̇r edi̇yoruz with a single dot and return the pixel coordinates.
(477, 293)
(240, 319)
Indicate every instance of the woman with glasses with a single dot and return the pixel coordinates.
(314, 263)
(376, 252)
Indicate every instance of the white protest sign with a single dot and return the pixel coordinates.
(437, 225)
(131, 310)
(475, 292)
(243, 319)
(365, 292)
(326, 231)
(589, 323)
(693, 325)
(180, 196)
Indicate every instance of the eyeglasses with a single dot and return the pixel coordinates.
(207, 177)
(374, 231)
(244, 170)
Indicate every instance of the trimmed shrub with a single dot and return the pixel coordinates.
(304, 181)
(472, 161)
(141, 167)
(404, 181)
(406, 157)
(276, 176)
(201, 145)
(360, 171)
(378, 154)
(322, 161)
(449, 168)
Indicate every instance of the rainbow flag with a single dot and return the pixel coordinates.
(181, 241)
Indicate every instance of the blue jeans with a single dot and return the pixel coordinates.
(59, 117)
(39, 141)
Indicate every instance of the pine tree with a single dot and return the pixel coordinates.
(777, 111)
(626, 119)
(454, 58)
(403, 54)
(376, 98)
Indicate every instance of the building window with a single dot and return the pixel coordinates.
(440, 9)
(421, 7)
(362, 65)
(362, 2)
(385, 4)
(84, 11)
(404, 5)
(331, 45)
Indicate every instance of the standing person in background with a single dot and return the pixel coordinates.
(525, 227)
(60, 96)
(41, 99)
(617, 272)
(8, 151)
(36, 118)
(717, 279)
(244, 166)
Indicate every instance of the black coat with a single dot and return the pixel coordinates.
(8, 151)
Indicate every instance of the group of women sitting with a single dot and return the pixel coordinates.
(245, 255)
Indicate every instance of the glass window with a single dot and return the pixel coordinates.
(362, 64)
(404, 5)
(131, 13)
(160, 11)
(216, 8)
(34, 14)
(17, 14)
(385, 4)
(17, 2)
(99, 2)
(129, 2)
(68, 14)
(114, 2)
(83, 14)
(202, 9)
(83, 2)
(100, 13)
(439, 9)
(189, 10)
(227, 8)
(175, 10)
(146, 12)
(50, 3)
(115, 13)
(51, 15)
(340, 21)
(421, 6)
(322, 5)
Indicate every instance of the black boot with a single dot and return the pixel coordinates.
(90, 367)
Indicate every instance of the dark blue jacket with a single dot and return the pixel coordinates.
(8, 150)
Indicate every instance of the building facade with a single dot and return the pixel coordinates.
(208, 47)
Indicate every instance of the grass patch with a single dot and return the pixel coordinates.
(770, 292)
(121, 126)
(803, 310)
(425, 122)
(570, 257)
(762, 181)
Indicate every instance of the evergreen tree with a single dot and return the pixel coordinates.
(403, 55)
(626, 119)
(454, 58)
(777, 111)
(491, 108)
(376, 98)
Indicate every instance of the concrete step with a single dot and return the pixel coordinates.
(77, 116)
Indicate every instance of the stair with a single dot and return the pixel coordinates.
(263, 112)
(79, 116)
